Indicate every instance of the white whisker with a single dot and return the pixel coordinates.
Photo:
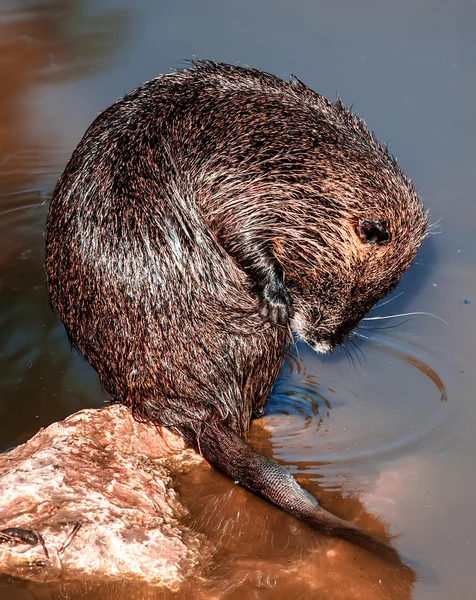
(389, 300)
(409, 314)
(25, 207)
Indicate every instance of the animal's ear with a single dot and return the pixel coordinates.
(373, 231)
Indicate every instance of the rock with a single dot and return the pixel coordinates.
(92, 497)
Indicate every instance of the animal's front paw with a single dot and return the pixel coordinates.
(275, 304)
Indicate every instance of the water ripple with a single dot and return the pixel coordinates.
(382, 410)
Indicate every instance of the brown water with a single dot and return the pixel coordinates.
(388, 439)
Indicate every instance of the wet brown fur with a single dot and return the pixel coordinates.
(174, 200)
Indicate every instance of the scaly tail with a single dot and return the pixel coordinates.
(231, 454)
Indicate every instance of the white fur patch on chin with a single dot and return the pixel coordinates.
(321, 347)
(298, 325)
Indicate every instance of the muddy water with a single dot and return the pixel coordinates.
(385, 436)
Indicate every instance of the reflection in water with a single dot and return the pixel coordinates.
(41, 42)
(429, 372)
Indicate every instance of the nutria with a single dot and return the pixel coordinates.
(200, 219)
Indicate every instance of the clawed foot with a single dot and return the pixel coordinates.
(275, 306)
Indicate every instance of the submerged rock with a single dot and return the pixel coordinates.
(92, 497)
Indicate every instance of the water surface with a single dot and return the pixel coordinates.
(385, 437)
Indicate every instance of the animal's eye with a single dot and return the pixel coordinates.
(372, 231)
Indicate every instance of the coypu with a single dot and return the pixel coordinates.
(200, 219)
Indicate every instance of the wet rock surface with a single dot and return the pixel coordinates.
(92, 497)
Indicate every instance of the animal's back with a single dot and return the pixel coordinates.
(140, 249)
(146, 293)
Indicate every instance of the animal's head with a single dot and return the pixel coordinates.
(351, 231)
